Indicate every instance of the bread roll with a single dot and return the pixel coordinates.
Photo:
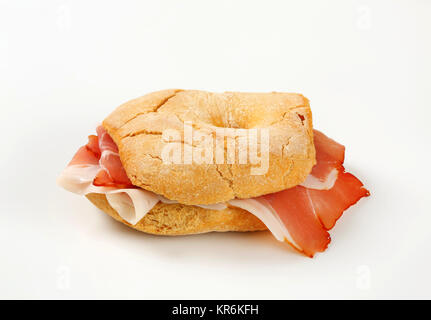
(137, 128)
(179, 219)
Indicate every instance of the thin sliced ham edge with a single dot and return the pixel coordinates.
(112, 172)
(215, 206)
(262, 210)
(296, 212)
(311, 182)
(132, 204)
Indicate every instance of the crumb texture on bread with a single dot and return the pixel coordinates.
(179, 219)
(137, 128)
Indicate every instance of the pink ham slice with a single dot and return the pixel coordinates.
(296, 212)
(88, 154)
(308, 213)
(102, 150)
(112, 173)
(105, 141)
(329, 155)
(330, 204)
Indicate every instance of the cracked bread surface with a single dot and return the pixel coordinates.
(137, 128)
(180, 219)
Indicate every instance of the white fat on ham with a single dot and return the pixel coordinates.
(79, 179)
(265, 213)
(311, 182)
(104, 157)
(215, 206)
(132, 204)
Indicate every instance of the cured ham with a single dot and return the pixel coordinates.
(300, 216)
(296, 212)
(85, 175)
(112, 172)
(262, 210)
(329, 205)
(329, 156)
(132, 204)
(308, 212)
(88, 154)
(101, 150)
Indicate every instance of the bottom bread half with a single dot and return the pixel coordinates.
(179, 219)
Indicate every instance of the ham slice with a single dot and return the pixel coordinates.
(265, 213)
(132, 204)
(112, 173)
(300, 216)
(329, 156)
(296, 212)
(80, 177)
(308, 212)
(101, 150)
(329, 205)
(88, 154)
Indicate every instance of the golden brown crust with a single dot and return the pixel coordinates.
(179, 219)
(137, 128)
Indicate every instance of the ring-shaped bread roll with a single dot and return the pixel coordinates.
(143, 129)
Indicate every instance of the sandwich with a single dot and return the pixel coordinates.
(179, 162)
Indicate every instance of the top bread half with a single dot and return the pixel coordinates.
(141, 126)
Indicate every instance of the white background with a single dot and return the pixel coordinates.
(65, 65)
